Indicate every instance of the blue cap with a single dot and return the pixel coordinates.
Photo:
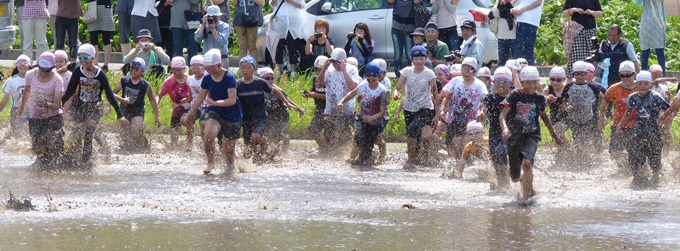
(248, 59)
(418, 51)
(372, 69)
(138, 62)
(431, 25)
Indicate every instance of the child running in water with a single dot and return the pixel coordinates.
(14, 88)
(319, 125)
(474, 148)
(61, 62)
(522, 131)
(194, 82)
(646, 144)
(134, 89)
(385, 81)
(555, 100)
(277, 115)
(179, 91)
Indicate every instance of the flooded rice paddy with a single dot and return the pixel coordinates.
(312, 201)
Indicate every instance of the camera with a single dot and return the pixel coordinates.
(351, 35)
(595, 54)
(318, 35)
(431, 50)
(449, 58)
(211, 20)
(145, 45)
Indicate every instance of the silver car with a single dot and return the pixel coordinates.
(7, 29)
(342, 15)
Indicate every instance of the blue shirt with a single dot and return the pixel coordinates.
(252, 98)
(220, 91)
(213, 41)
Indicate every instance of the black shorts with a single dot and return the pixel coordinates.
(415, 121)
(251, 126)
(320, 122)
(229, 130)
(646, 148)
(454, 130)
(86, 111)
(200, 114)
(617, 144)
(175, 122)
(518, 150)
(130, 113)
(498, 151)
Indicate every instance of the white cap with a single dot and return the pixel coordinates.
(264, 71)
(381, 63)
(455, 68)
(472, 62)
(529, 73)
(338, 54)
(23, 57)
(86, 49)
(513, 64)
(557, 71)
(353, 61)
(627, 66)
(484, 72)
(213, 10)
(212, 57)
(644, 76)
(579, 66)
(503, 72)
(655, 67)
(522, 62)
(320, 60)
(198, 59)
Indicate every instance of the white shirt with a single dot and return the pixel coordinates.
(532, 17)
(66, 76)
(662, 89)
(15, 88)
(465, 100)
(336, 89)
(289, 19)
(418, 92)
(388, 87)
(141, 7)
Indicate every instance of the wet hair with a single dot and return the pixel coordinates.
(364, 26)
(15, 70)
(322, 23)
(617, 28)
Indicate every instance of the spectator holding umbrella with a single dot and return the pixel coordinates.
(584, 13)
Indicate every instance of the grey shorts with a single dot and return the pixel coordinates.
(518, 150)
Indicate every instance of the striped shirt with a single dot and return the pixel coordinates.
(35, 9)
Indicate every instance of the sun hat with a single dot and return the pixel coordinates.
(470, 61)
(264, 71)
(474, 126)
(320, 61)
(529, 73)
(248, 59)
(212, 57)
(46, 60)
(178, 62)
(418, 32)
(198, 59)
(213, 10)
(484, 72)
(86, 49)
(144, 33)
(23, 57)
(627, 66)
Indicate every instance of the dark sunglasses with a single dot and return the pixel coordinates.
(502, 81)
(135, 68)
(579, 73)
(46, 69)
(556, 79)
(372, 75)
(626, 75)
(268, 78)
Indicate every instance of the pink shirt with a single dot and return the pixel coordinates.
(42, 91)
(177, 91)
(35, 9)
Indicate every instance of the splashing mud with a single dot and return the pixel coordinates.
(315, 200)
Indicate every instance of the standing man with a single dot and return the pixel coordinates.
(339, 78)
(124, 11)
(521, 130)
(528, 17)
(214, 33)
(614, 51)
(471, 46)
(437, 50)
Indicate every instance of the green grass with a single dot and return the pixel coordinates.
(297, 129)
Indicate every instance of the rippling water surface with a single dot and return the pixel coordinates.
(162, 201)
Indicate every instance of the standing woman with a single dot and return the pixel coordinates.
(181, 34)
(584, 13)
(66, 23)
(145, 16)
(34, 25)
(360, 45)
(43, 96)
(653, 31)
(124, 11)
(403, 24)
(288, 23)
(102, 25)
(247, 18)
(83, 97)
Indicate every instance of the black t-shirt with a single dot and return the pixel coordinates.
(320, 49)
(524, 113)
(276, 109)
(492, 102)
(135, 92)
(252, 98)
(320, 103)
(587, 21)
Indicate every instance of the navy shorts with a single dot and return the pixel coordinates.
(415, 121)
(518, 150)
(453, 130)
(229, 130)
(498, 151)
(251, 126)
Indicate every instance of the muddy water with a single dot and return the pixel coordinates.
(162, 201)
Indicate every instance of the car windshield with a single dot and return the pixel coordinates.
(483, 3)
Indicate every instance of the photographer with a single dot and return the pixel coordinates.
(612, 53)
(437, 50)
(471, 46)
(215, 33)
(360, 45)
(153, 56)
(318, 44)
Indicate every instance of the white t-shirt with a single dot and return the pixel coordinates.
(418, 93)
(66, 76)
(465, 100)
(532, 17)
(195, 86)
(336, 89)
(15, 88)
(662, 89)
(388, 87)
(372, 100)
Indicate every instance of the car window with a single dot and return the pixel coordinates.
(483, 3)
(338, 6)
